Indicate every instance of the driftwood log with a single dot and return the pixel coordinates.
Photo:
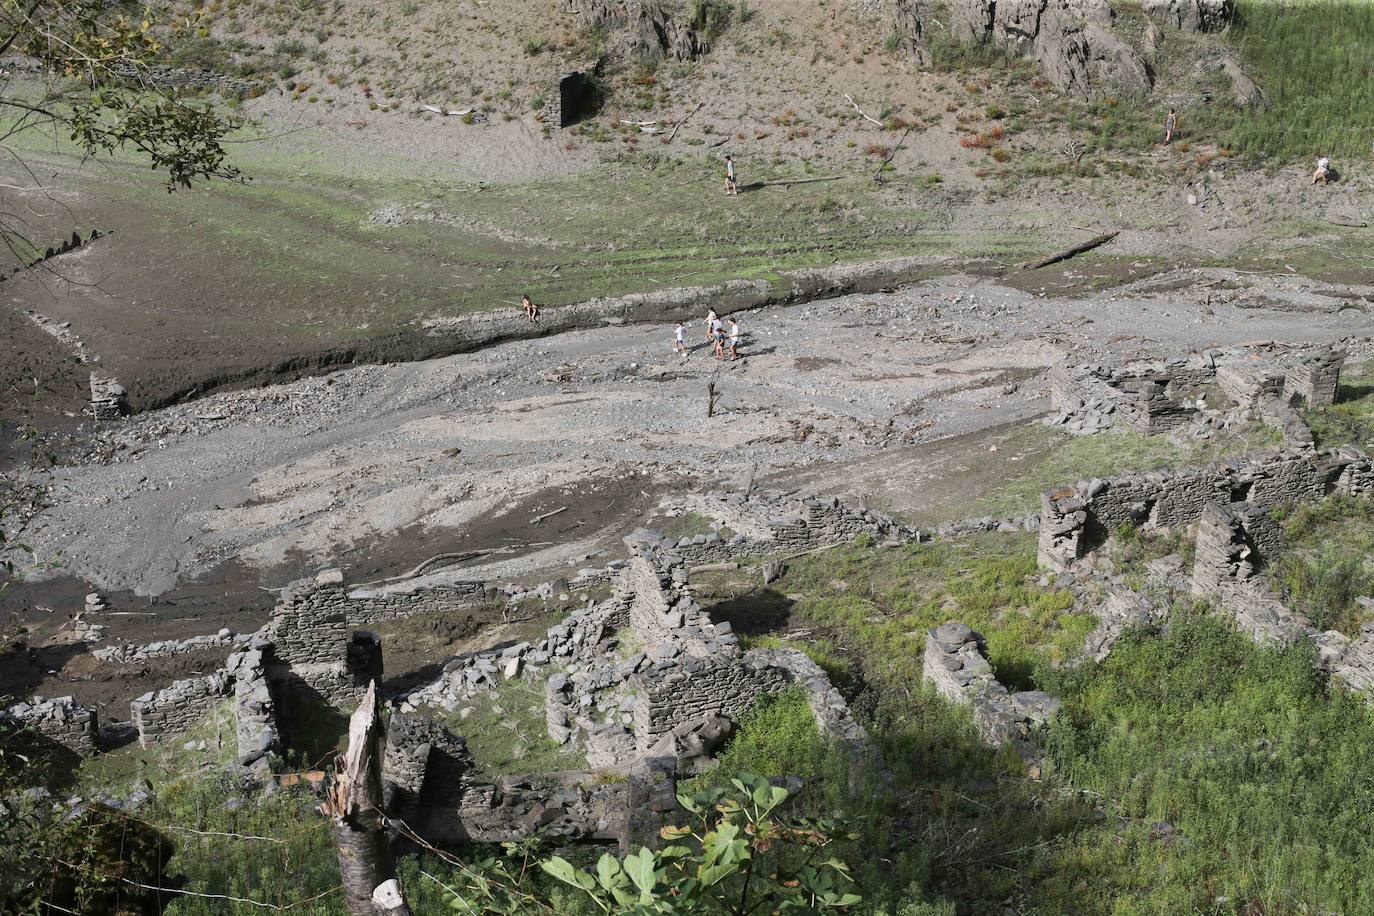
(878, 175)
(354, 801)
(1089, 245)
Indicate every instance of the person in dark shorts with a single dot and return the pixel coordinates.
(731, 182)
(1170, 125)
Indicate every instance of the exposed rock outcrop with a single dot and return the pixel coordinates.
(1191, 15)
(652, 24)
(1070, 40)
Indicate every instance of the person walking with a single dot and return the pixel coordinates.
(731, 182)
(679, 340)
(1170, 125)
(734, 339)
(711, 321)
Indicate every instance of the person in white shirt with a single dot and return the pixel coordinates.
(734, 339)
(679, 341)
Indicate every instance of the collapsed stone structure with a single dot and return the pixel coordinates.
(1233, 545)
(431, 783)
(956, 665)
(1229, 503)
(1210, 389)
(1076, 519)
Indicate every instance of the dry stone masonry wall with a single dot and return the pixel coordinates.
(1076, 519)
(125, 653)
(956, 664)
(162, 714)
(1232, 544)
(61, 721)
(430, 783)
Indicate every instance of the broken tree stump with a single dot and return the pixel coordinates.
(366, 866)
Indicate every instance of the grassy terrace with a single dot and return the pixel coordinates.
(1191, 772)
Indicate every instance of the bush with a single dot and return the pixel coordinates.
(711, 17)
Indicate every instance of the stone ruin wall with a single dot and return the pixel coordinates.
(60, 720)
(662, 608)
(1233, 544)
(1156, 396)
(674, 693)
(430, 783)
(956, 665)
(176, 709)
(1076, 519)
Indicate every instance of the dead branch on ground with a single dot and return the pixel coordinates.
(684, 121)
(1089, 245)
(861, 111)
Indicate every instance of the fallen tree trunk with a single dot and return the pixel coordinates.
(354, 801)
(1094, 242)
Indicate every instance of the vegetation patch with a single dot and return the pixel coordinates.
(881, 602)
(1234, 780)
(1313, 61)
(507, 732)
(1350, 421)
(1325, 563)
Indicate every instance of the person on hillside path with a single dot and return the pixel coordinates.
(1323, 173)
(1170, 125)
(711, 320)
(679, 341)
(731, 182)
(734, 339)
(718, 339)
(531, 310)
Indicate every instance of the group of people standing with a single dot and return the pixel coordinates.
(725, 343)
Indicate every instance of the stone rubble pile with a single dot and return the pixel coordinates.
(1122, 610)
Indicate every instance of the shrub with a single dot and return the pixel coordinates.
(737, 854)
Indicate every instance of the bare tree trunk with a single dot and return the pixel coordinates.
(354, 802)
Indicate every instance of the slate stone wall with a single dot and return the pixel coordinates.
(1075, 519)
(60, 720)
(162, 714)
(956, 665)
